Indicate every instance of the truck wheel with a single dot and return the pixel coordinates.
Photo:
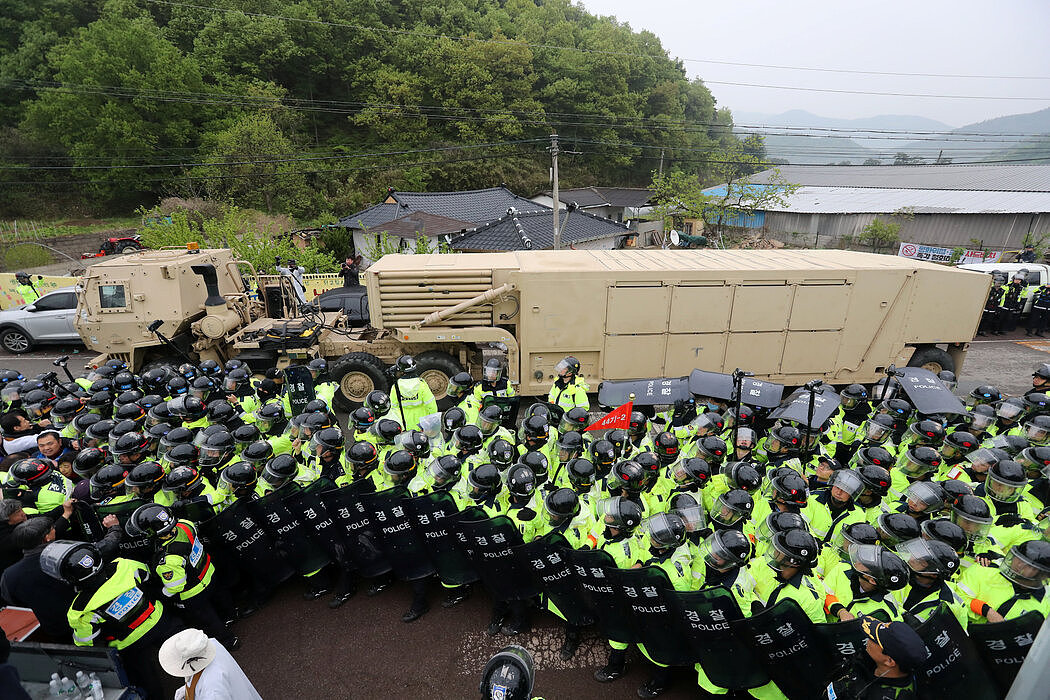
(436, 368)
(357, 374)
(933, 359)
(16, 341)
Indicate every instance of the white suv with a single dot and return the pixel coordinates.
(47, 320)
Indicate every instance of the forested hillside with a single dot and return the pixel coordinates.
(314, 106)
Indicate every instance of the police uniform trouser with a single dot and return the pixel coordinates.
(140, 659)
(202, 611)
(1037, 320)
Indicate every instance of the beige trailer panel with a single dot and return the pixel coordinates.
(787, 315)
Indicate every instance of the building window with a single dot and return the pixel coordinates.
(687, 228)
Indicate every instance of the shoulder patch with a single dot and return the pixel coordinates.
(168, 575)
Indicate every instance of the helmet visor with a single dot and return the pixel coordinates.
(1034, 433)
(923, 496)
(704, 425)
(876, 432)
(981, 460)
(1023, 571)
(725, 513)
(717, 556)
(975, 527)
(917, 554)
(981, 421)
(1008, 411)
(491, 374)
(693, 516)
(1001, 490)
(847, 481)
(563, 368)
(440, 474)
(913, 467)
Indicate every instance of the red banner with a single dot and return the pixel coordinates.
(620, 418)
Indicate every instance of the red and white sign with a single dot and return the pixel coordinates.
(620, 418)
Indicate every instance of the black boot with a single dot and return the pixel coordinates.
(614, 668)
(455, 596)
(658, 683)
(571, 643)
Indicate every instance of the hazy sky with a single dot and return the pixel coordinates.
(962, 37)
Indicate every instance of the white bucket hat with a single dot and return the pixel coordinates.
(186, 653)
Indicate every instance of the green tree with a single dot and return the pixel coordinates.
(871, 161)
(880, 234)
(681, 194)
(249, 164)
(99, 126)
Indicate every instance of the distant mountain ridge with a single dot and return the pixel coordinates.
(861, 141)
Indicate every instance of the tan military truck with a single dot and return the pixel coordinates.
(786, 315)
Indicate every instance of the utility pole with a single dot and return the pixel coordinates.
(554, 178)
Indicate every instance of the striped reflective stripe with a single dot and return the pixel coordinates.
(170, 587)
(85, 640)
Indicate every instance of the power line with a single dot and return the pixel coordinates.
(432, 111)
(555, 47)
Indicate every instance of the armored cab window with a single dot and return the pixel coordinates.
(113, 296)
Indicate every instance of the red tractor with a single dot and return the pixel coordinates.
(117, 245)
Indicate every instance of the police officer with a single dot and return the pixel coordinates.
(897, 652)
(461, 390)
(1012, 301)
(1040, 316)
(569, 389)
(185, 570)
(25, 288)
(410, 397)
(493, 382)
(112, 607)
(324, 387)
(508, 675)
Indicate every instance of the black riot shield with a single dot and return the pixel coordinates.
(844, 639)
(928, 393)
(353, 520)
(300, 385)
(1003, 646)
(237, 531)
(509, 405)
(647, 392)
(490, 545)
(953, 669)
(591, 570)
(706, 616)
(196, 510)
(552, 574)
(646, 593)
(306, 505)
(401, 544)
(796, 407)
(287, 531)
(783, 640)
(433, 519)
(137, 548)
(754, 392)
(87, 526)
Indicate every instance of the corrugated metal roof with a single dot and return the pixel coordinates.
(991, 178)
(873, 200)
(534, 230)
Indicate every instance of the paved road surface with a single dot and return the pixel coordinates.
(294, 648)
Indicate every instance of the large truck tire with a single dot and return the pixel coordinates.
(168, 362)
(357, 374)
(933, 359)
(436, 368)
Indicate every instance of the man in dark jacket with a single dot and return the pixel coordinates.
(26, 585)
(11, 515)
